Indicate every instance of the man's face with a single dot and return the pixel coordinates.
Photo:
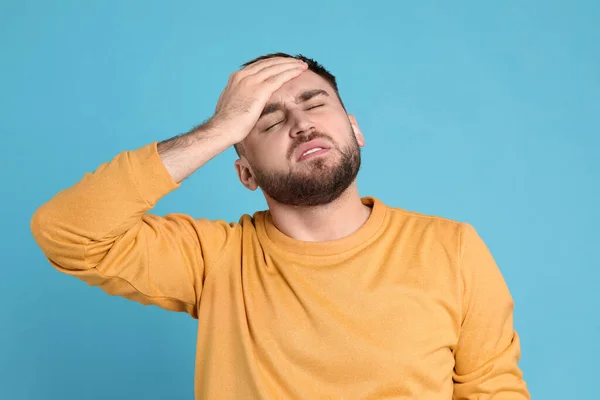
(304, 150)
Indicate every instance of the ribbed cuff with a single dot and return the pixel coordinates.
(151, 175)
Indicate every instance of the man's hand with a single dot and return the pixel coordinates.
(238, 110)
(247, 92)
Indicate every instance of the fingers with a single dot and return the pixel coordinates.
(267, 73)
(274, 65)
(274, 82)
(259, 65)
(248, 90)
(270, 74)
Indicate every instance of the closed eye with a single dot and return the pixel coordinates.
(316, 106)
(274, 125)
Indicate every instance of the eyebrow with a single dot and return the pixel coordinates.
(302, 97)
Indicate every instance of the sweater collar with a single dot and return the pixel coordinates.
(270, 236)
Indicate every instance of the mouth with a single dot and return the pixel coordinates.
(311, 149)
(317, 151)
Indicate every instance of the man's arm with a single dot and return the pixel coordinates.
(238, 109)
(100, 231)
(488, 349)
(184, 154)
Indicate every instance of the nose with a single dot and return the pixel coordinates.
(302, 125)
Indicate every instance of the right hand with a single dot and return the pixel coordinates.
(247, 93)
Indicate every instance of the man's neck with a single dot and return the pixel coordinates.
(332, 221)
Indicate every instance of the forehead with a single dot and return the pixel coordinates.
(306, 81)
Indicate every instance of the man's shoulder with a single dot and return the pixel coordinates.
(401, 213)
(412, 222)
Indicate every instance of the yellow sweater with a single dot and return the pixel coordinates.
(407, 307)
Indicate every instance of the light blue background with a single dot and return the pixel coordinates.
(484, 113)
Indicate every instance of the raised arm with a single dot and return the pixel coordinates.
(100, 229)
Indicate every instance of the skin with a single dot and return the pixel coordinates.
(239, 118)
(267, 148)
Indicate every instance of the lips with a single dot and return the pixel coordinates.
(313, 144)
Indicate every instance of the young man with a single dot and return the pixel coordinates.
(326, 295)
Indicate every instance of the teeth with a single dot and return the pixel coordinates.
(312, 151)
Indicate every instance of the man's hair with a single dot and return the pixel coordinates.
(312, 66)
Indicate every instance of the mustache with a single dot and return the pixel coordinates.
(306, 138)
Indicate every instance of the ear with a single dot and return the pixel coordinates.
(245, 174)
(357, 132)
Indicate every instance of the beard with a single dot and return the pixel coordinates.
(316, 181)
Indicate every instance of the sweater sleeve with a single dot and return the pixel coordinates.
(99, 230)
(488, 349)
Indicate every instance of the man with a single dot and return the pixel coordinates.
(326, 295)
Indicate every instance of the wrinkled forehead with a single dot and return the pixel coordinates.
(308, 80)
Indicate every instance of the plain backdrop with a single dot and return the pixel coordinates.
(482, 112)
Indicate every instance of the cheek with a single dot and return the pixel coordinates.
(270, 154)
(341, 129)
(337, 121)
